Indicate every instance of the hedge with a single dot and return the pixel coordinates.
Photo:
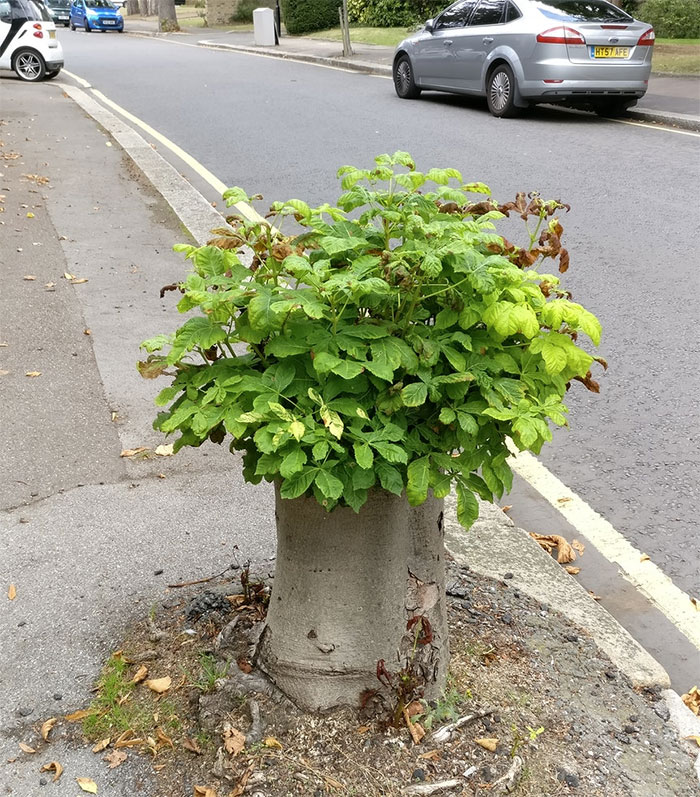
(304, 16)
(673, 19)
(393, 13)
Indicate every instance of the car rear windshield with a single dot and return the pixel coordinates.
(58, 3)
(583, 11)
(98, 4)
(25, 10)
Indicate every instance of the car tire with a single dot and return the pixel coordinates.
(72, 26)
(51, 75)
(404, 84)
(66, 24)
(87, 27)
(501, 89)
(29, 65)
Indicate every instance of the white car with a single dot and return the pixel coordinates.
(28, 42)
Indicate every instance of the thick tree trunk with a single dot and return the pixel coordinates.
(167, 16)
(346, 587)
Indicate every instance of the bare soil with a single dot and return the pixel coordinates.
(540, 702)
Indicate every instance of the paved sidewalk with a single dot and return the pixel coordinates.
(670, 99)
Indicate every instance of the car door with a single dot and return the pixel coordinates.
(77, 12)
(433, 56)
(472, 43)
(6, 33)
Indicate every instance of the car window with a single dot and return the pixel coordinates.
(488, 12)
(511, 13)
(98, 4)
(582, 11)
(28, 10)
(457, 15)
(5, 11)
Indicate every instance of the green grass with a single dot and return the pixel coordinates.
(677, 56)
(389, 37)
(678, 41)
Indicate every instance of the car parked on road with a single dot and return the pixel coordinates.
(59, 11)
(520, 52)
(28, 43)
(95, 15)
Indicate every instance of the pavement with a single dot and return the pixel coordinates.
(671, 99)
(91, 539)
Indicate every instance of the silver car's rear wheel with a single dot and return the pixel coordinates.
(29, 65)
(500, 91)
(403, 79)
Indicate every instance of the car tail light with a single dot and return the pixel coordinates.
(37, 25)
(561, 35)
(614, 27)
(647, 38)
(38, 34)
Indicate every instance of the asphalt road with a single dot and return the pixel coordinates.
(282, 129)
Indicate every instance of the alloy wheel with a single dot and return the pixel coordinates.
(28, 66)
(403, 76)
(500, 91)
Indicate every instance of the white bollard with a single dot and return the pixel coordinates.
(264, 27)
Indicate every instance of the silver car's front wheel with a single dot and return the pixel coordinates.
(29, 65)
(404, 83)
(500, 91)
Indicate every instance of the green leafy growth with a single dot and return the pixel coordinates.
(391, 341)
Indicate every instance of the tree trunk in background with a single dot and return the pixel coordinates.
(167, 16)
(143, 8)
(345, 588)
(132, 7)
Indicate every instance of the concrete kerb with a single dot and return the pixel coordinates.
(353, 65)
(494, 545)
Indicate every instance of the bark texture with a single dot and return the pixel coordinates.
(345, 587)
(167, 16)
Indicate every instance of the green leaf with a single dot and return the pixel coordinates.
(329, 485)
(415, 394)
(319, 451)
(446, 318)
(363, 455)
(347, 369)
(292, 463)
(447, 415)
(332, 422)
(467, 506)
(391, 452)
(286, 347)
(297, 430)
(389, 477)
(325, 362)
(261, 315)
(418, 481)
(298, 484)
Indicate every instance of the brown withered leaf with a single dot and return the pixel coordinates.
(159, 685)
(488, 743)
(87, 784)
(416, 707)
(565, 553)
(234, 740)
(192, 746)
(115, 758)
(29, 277)
(78, 280)
(33, 373)
(11, 592)
(414, 728)
(76, 716)
(54, 767)
(240, 787)
(25, 748)
(100, 746)
(270, 741)
(244, 665)
(47, 727)
(578, 546)
(225, 242)
(431, 755)
(132, 452)
(572, 570)
(696, 604)
(563, 261)
(163, 738)
(644, 558)
(153, 367)
(692, 700)
(137, 742)
(140, 674)
(206, 791)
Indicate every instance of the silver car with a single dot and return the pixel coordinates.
(520, 52)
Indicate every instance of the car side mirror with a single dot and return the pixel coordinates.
(429, 25)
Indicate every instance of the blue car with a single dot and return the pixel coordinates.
(95, 15)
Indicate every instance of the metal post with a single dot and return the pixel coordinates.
(278, 22)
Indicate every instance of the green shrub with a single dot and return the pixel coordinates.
(244, 10)
(397, 342)
(673, 19)
(392, 13)
(304, 16)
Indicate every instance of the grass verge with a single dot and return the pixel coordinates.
(677, 56)
(389, 37)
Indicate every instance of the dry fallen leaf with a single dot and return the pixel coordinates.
(46, 728)
(88, 785)
(25, 748)
(76, 716)
(270, 741)
(506, 508)
(115, 758)
(78, 280)
(696, 603)
(578, 546)
(644, 557)
(29, 277)
(131, 452)
(165, 450)
(692, 700)
(693, 738)
(192, 746)
(414, 728)
(100, 746)
(564, 500)
(204, 791)
(11, 592)
(54, 766)
(33, 373)
(87, 332)
(488, 744)
(572, 570)
(431, 755)
(140, 675)
(565, 553)
(159, 685)
(68, 276)
(137, 742)
(234, 740)
(163, 738)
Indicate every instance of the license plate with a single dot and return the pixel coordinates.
(108, 22)
(52, 34)
(610, 52)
